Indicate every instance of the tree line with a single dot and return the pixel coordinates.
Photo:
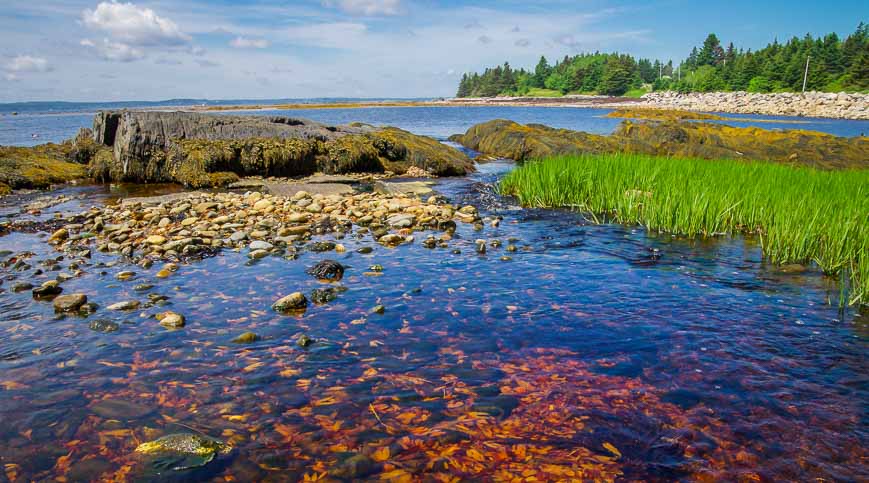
(834, 65)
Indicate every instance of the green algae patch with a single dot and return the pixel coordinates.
(800, 214)
(670, 138)
(37, 166)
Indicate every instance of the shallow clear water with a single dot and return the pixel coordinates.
(597, 351)
(41, 126)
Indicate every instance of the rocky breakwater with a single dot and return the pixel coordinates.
(511, 140)
(200, 150)
(810, 104)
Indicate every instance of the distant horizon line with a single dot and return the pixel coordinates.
(192, 100)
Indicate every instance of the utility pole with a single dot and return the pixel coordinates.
(660, 71)
(806, 75)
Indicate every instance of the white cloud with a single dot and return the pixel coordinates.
(366, 7)
(333, 35)
(133, 25)
(248, 43)
(113, 51)
(27, 63)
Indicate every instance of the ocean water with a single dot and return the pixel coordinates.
(46, 122)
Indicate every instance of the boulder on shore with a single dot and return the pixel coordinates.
(214, 150)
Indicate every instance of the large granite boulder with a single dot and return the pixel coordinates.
(205, 150)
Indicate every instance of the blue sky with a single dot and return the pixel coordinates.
(150, 50)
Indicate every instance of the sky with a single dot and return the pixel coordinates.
(92, 50)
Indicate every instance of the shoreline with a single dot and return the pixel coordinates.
(844, 106)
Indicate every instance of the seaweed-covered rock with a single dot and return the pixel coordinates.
(715, 141)
(191, 148)
(37, 166)
(670, 138)
(511, 140)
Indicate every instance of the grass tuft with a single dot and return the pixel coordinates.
(800, 214)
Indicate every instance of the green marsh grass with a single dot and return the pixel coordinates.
(800, 214)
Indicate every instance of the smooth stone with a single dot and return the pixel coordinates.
(126, 275)
(48, 289)
(391, 239)
(155, 240)
(69, 303)
(293, 301)
(260, 245)
(171, 320)
(246, 338)
(401, 220)
(414, 188)
(22, 286)
(257, 254)
(378, 309)
(125, 305)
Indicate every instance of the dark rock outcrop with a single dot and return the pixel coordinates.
(670, 138)
(205, 150)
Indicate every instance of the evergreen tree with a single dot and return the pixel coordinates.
(541, 72)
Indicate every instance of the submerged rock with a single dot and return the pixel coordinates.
(304, 341)
(183, 451)
(102, 325)
(246, 338)
(322, 296)
(120, 410)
